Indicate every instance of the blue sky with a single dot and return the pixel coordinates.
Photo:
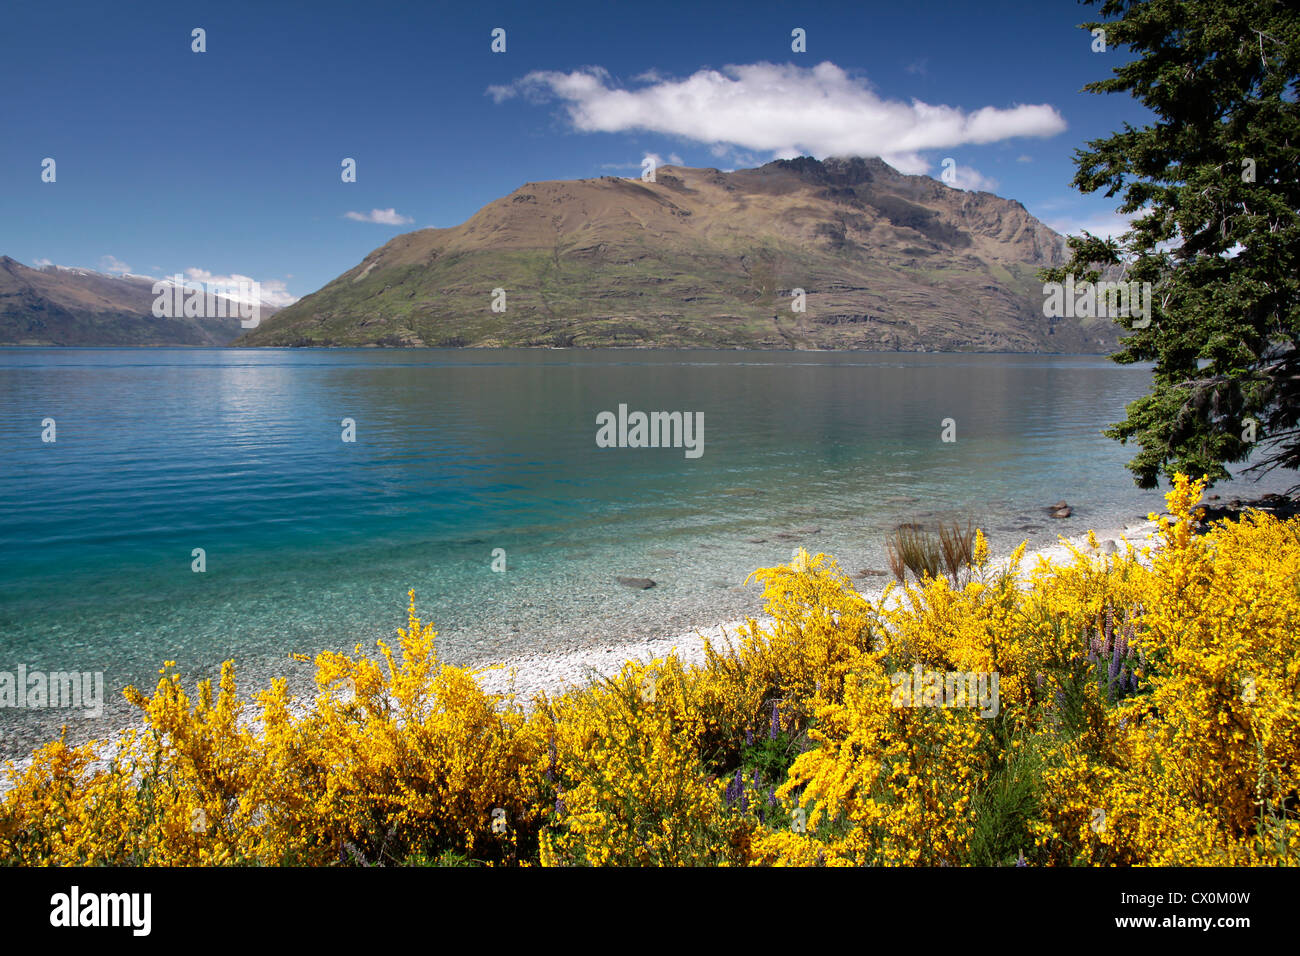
(227, 162)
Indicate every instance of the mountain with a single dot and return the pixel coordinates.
(76, 307)
(706, 258)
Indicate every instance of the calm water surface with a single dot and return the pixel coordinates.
(312, 542)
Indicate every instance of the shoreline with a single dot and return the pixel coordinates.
(526, 674)
(554, 672)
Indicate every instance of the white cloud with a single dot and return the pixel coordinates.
(383, 217)
(972, 180)
(1024, 158)
(738, 159)
(1114, 225)
(273, 291)
(672, 160)
(1104, 225)
(783, 110)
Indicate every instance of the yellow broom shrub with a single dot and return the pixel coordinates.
(1147, 713)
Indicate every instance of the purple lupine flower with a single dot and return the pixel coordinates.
(749, 736)
(735, 792)
(1114, 678)
(559, 804)
(1020, 860)
(1132, 681)
(776, 722)
(771, 797)
(756, 783)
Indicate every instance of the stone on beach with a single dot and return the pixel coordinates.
(796, 533)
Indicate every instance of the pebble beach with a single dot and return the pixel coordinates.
(553, 673)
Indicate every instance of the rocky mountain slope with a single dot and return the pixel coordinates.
(702, 258)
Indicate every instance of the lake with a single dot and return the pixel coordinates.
(466, 459)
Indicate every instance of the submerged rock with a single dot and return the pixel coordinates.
(639, 583)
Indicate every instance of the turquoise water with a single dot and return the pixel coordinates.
(312, 542)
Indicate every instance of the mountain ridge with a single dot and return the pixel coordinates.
(57, 306)
(705, 258)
